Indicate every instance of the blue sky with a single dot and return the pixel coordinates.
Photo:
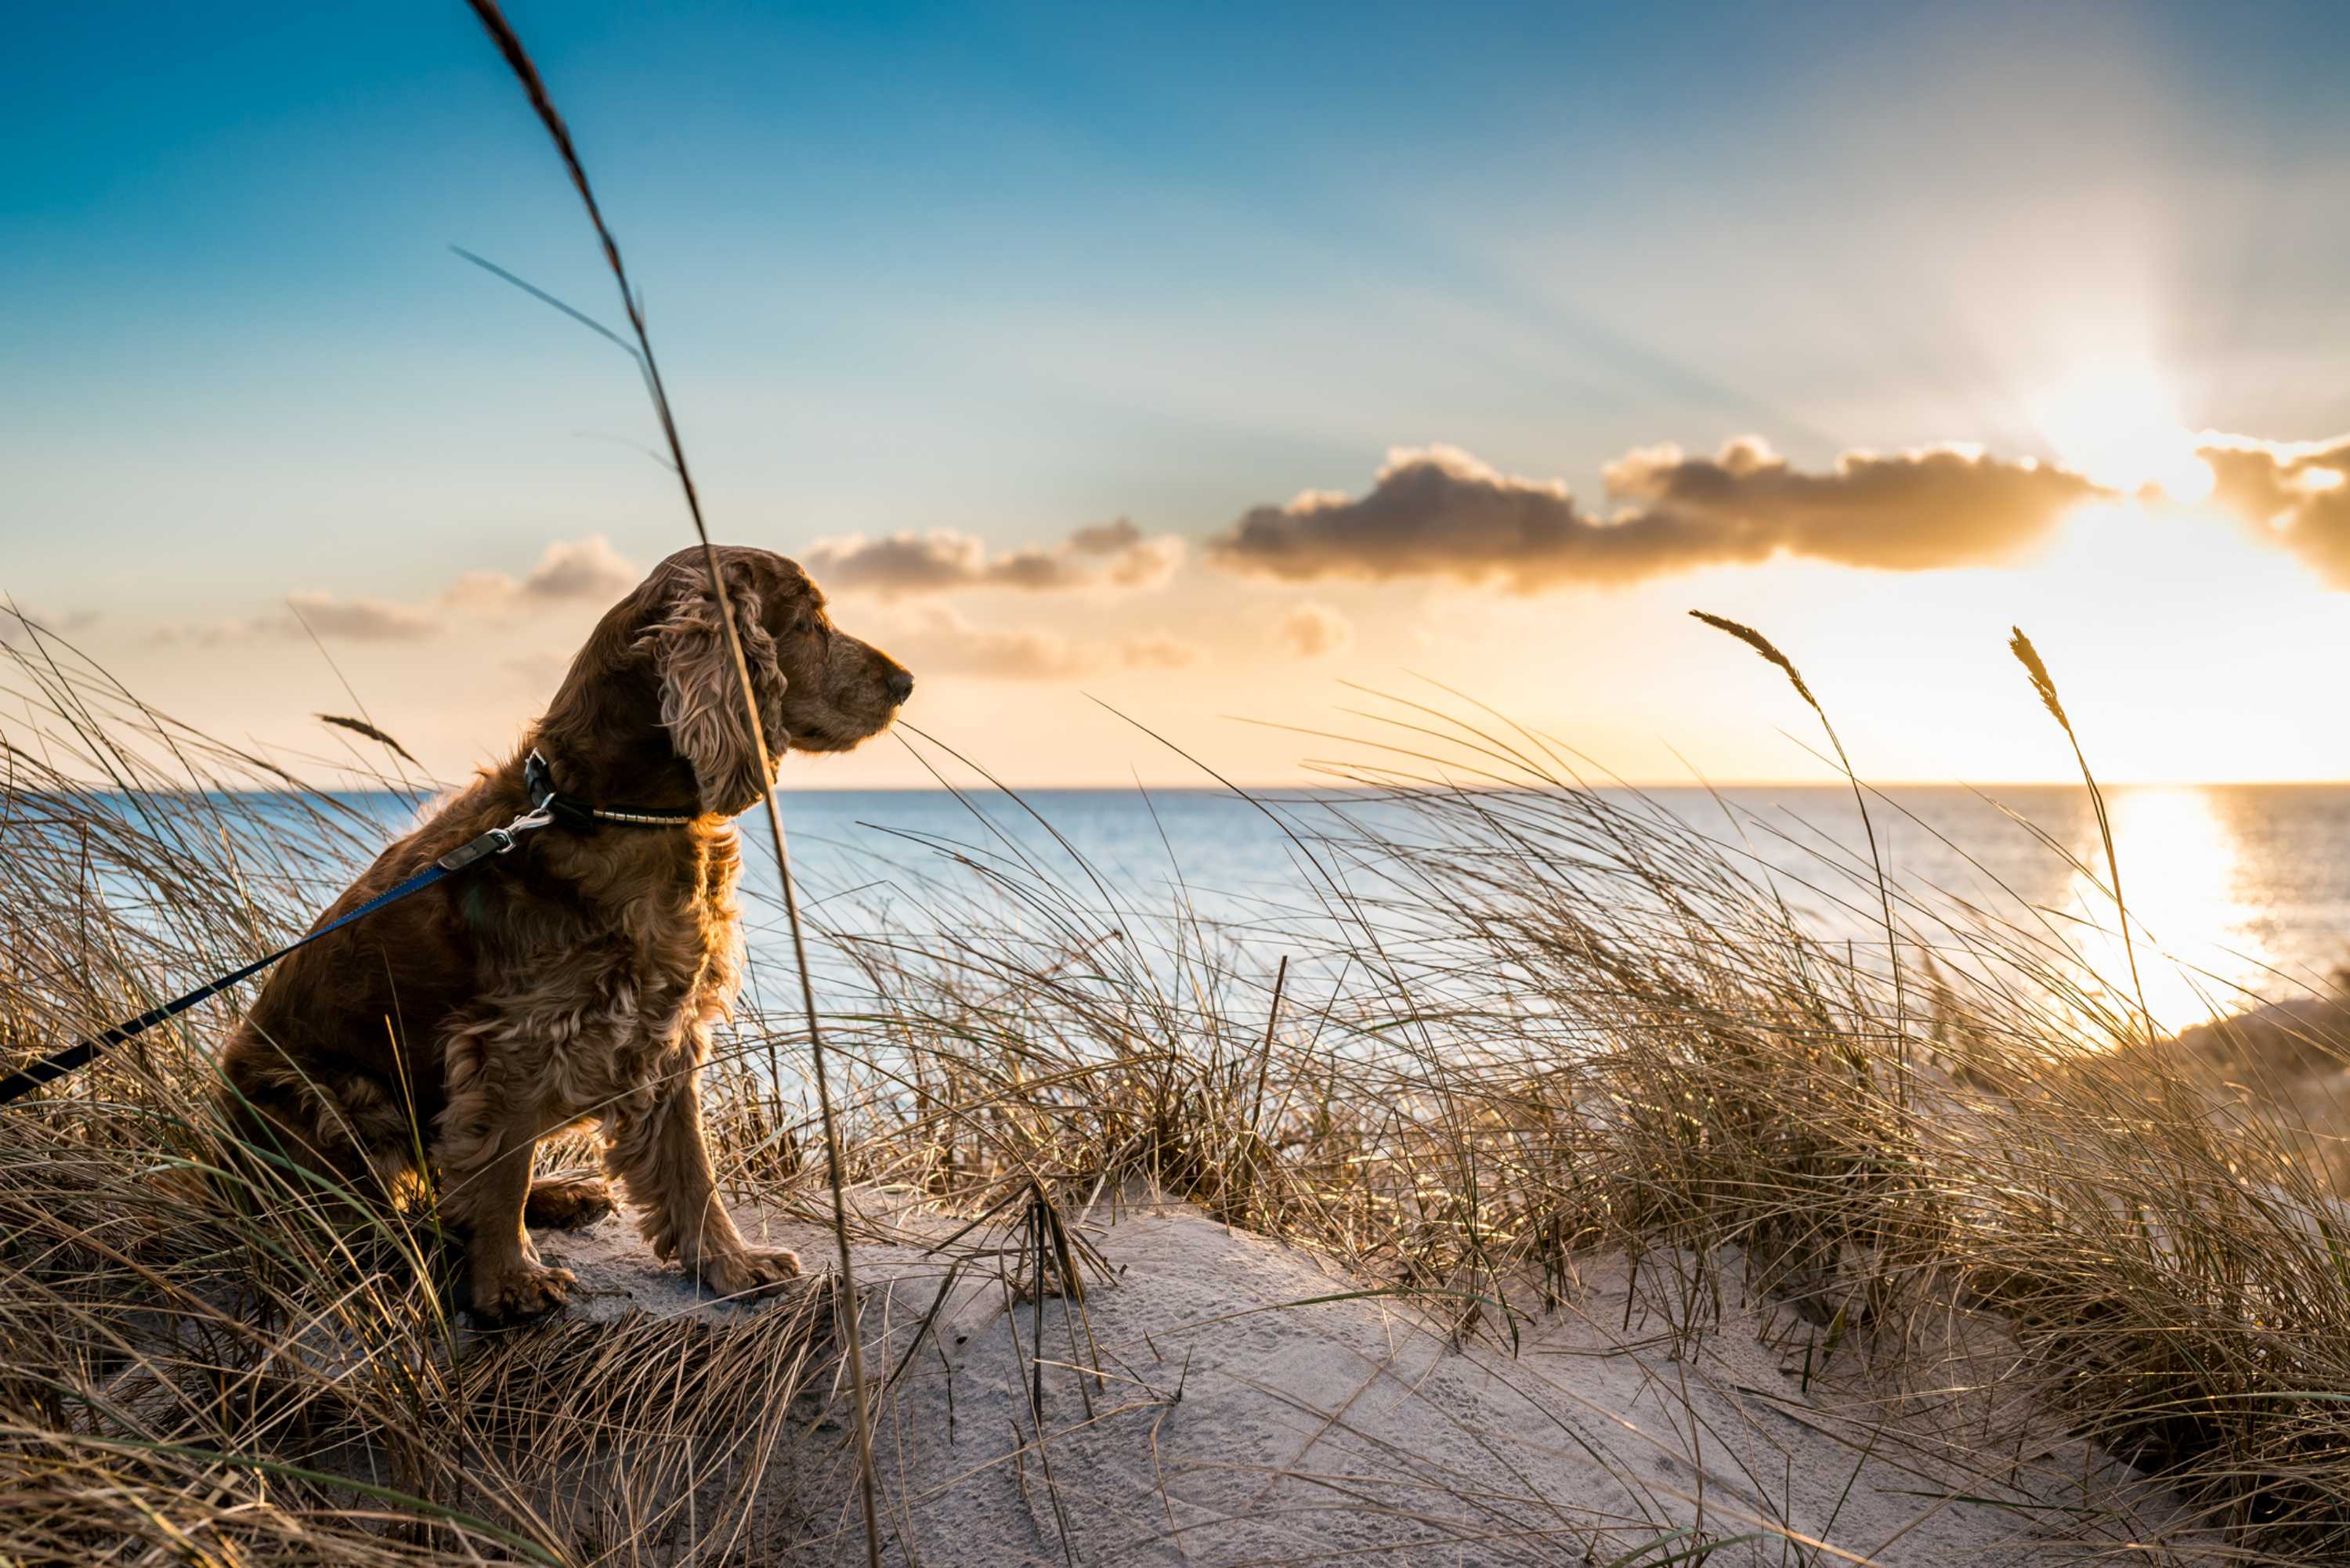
(1013, 272)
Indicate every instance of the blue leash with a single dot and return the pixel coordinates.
(496, 841)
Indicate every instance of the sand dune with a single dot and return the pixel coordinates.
(1240, 1404)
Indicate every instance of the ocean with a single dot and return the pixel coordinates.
(2236, 893)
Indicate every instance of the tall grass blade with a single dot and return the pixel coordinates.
(1770, 651)
(525, 71)
(2045, 684)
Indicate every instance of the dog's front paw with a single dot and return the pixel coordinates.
(751, 1270)
(517, 1294)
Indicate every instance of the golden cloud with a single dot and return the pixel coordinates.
(1438, 512)
(2294, 494)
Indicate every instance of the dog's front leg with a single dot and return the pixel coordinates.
(481, 1149)
(657, 1154)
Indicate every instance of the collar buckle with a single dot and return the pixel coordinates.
(553, 803)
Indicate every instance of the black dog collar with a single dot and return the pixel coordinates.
(580, 816)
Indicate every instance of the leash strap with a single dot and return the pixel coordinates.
(48, 1069)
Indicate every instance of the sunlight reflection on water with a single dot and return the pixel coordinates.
(2183, 881)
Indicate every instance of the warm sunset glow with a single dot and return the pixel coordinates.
(2196, 938)
(1346, 362)
(2119, 425)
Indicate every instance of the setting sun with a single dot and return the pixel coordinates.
(2118, 424)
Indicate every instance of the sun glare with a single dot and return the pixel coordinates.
(2197, 939)
(2119, 425)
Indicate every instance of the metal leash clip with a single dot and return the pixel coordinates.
(496, 841)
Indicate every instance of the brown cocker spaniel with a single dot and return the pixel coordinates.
(577, 978)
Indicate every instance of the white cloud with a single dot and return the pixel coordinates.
(569, 571)
(576, 571)
(1310, 630)
(17, 623)
(1110, 555)
(361, 620)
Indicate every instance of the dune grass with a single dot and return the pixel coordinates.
(1524, 1021)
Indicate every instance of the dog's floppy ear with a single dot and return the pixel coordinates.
(701, 697)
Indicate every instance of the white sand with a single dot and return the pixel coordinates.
(1233, 1423)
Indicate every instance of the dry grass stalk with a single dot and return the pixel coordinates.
(361, 727)
(525, 71)
(2045, 685)
(1770, 651)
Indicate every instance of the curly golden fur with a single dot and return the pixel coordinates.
(575, 980)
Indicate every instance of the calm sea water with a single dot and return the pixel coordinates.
(2236, 892)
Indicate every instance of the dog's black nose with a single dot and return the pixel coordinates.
(901, 686)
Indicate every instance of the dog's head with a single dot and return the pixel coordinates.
(665, 649)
